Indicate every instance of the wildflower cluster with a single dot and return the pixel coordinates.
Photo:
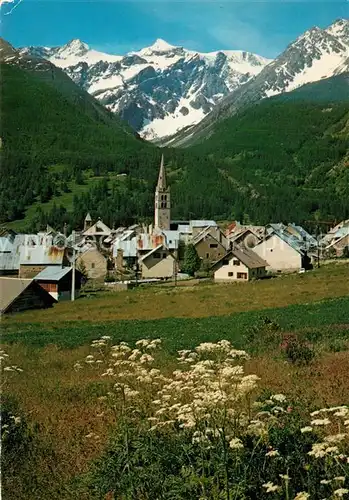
(211, 395)
(207, 408)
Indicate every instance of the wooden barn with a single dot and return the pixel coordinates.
(18, 294)
(57, 281)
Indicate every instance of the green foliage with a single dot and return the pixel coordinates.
(82, 268)
(237, 327)
(297, 350)
(345, 253)
(192, 261)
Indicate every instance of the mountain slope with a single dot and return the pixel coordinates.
(315, 55)
(295, 171)
(55, 77)
(159, 89)
(53, 134)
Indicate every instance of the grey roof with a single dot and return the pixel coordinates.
(249, 258)
(184, 229)
(52, 273)
(153, 250)
(203, 223)
(6, 244)
(129, 247)
(205, 232)
(10, 260)
(44, 254)
(171, 238)
(246, 256)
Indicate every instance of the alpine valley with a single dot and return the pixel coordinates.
(275, 148)
(163, 89)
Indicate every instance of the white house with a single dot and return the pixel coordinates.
(281, 253)
(239, 265)
(158, 263)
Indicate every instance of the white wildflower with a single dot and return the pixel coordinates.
(271, 487)
(341, 492)
(306, 429)
(285, 477)
(335, 438)
(279, 397)
(235, 444)
(272, 453)
(321, 421)
(302, 495)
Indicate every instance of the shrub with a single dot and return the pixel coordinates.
(296, 350)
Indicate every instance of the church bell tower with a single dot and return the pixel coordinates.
(162, 200)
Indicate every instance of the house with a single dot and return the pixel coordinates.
(93, 261)
(158, 263)
(18, 294)
(208, 246)
(239, 264)
(246, 238)
(57, 281)
(336, 234)
(235, 228)
(282, 253)
(336, 248)
(40, 251)
(98, 232)
(299, 236)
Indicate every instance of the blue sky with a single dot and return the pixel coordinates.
(206, 25)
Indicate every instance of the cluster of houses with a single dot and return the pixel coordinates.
(40, 269)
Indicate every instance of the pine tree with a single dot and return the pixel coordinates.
(192, 261)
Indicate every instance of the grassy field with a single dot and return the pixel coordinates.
(198, 301)
(61, 404)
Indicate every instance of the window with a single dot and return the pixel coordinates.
(236, 262)
(213, 245)
(242, 276)
(164, 255)
(92, 265)
(207, 256)
(157, 255)
(230, 274)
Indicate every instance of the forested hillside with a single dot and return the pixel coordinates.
(52, 139)
(289, 157)
(63, 156)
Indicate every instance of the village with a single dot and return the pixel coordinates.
(37, 270)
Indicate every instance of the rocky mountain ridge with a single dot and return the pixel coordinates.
(159, 89)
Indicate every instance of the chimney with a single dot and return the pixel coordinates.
(119, 260)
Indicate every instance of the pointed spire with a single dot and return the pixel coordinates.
(162, 184)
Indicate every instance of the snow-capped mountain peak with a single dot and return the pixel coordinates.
(75, 47)
(160, 45)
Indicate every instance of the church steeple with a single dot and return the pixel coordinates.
(162, 175)
(162, 200)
